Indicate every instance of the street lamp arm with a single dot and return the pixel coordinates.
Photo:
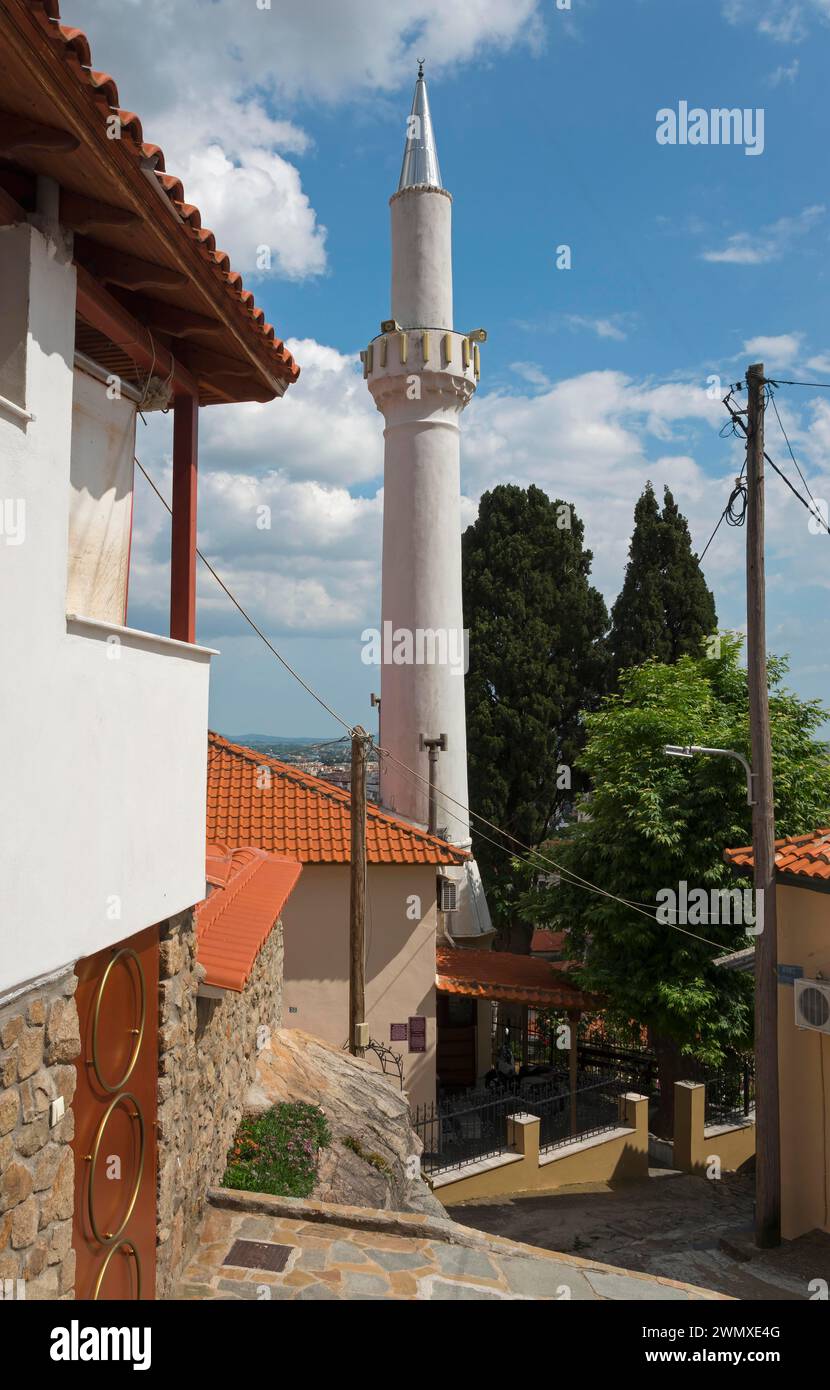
(689, 750)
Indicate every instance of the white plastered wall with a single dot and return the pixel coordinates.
(102, 790)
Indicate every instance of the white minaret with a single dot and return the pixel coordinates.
(421, 374)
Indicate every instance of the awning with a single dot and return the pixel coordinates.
(509, 979)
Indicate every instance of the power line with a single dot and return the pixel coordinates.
(813, 510)
(771, 398)
(576, 880)
(249, 619)
(825, 385)
(570, 876)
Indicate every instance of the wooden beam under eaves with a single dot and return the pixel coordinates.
(113, 267)
(84, 214)
(170, 319)
(19, 135)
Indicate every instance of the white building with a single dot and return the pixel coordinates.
(113, 299)
(421, 373)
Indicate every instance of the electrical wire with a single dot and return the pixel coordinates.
(771, 399)
(574, 879)
(570, 876)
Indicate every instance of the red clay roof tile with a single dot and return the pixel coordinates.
(103, 92)
(301, 816)
(250, 889)
(805, 856)
(508, 978)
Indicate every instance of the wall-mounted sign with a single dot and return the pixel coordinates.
(417, 1034)
(398, 1032)
(788, 973)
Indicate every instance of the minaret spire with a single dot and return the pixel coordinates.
(420, 157)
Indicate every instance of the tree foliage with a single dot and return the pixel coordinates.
(664, 609)
(656, 821)
(536, 661)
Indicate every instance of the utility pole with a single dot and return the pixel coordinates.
(767, 1148)
(434, 746)
(358, 1028)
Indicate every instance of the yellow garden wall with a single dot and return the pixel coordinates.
(695, 1145)
(615, 1156)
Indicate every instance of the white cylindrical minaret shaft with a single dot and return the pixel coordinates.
(422, 374)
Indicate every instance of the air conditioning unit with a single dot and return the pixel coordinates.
(812, 1005)
(447, 894)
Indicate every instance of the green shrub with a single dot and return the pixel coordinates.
(278, 1152)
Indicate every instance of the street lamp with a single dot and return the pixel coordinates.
(689, 750)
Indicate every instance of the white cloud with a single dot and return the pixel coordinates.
(204, 75)
(778, 351)
(532, 373)
(783, 21)
(315, 460)
(783, 74)
(770, 244)
(612, 327)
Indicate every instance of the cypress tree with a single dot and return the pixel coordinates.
(665, 608)
(537, 660)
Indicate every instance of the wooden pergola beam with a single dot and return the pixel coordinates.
(183, 528)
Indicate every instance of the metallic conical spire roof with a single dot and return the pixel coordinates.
(420, 158)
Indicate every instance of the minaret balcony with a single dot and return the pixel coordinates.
(432, 365)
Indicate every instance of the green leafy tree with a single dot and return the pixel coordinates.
(537, 660)
(656, 821)
(664, 609)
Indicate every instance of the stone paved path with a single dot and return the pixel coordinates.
(671, 1224)
(336, 1256)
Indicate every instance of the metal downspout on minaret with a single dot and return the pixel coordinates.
(421, 374)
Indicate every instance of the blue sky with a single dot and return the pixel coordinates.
(287, 127)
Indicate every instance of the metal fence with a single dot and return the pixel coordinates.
(730, 1094)
(472, 1125)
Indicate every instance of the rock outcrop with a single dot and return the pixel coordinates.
(369, 1162)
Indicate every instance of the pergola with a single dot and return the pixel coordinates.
(506, 978)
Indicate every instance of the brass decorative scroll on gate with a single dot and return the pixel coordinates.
(138, 1033)
(123, 1245)
(110, 1236)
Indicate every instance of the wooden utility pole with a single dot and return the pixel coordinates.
(357, 896)
(767, 1149)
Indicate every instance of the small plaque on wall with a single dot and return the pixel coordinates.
(398, 1032)
(417, 1034)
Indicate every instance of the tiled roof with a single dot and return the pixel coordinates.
(250, 889)
(804, 856)
(508, 978)
(74, 49)
(254, 799)
(552, 941)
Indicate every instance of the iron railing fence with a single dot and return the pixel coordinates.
(472, 1125)
(730, 1093)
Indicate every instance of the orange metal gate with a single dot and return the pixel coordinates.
(114, 1229)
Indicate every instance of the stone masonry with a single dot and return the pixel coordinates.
(39, 1040)
(207, 1060)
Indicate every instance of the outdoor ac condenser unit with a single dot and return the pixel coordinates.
(812, 1005)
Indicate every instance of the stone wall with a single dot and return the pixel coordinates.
(39, 1040)
(207, 1061)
